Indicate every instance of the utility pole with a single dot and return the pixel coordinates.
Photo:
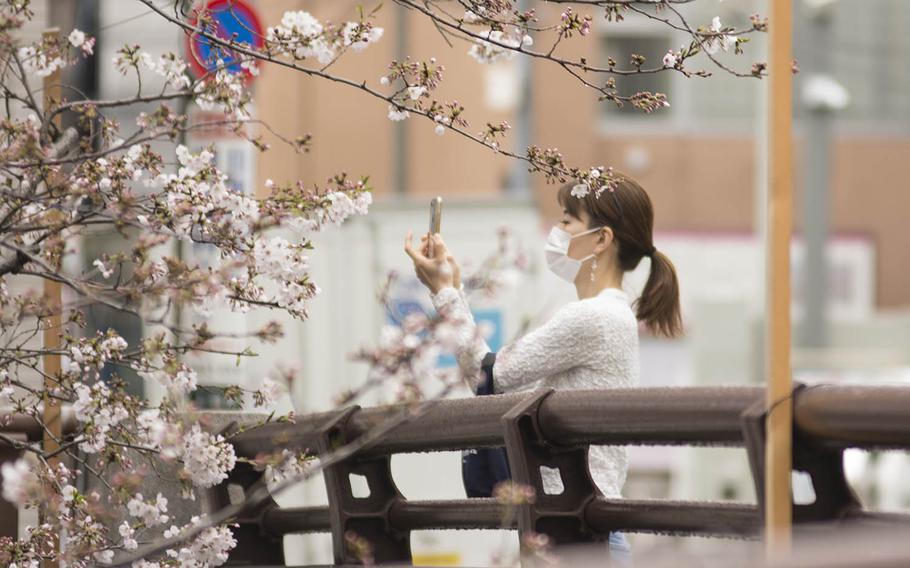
(400, 163)
(519, 181)
(821, 96)
(779, 422)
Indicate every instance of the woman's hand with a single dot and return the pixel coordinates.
(434, 265)
(425, 247)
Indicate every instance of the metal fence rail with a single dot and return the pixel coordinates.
(553, 429)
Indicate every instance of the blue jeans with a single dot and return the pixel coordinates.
(620, 551)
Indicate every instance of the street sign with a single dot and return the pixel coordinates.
(229, 20)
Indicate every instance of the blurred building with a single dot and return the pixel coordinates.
(699, 159)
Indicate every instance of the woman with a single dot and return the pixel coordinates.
(591, 343)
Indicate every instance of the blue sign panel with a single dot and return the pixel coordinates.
(228, 20)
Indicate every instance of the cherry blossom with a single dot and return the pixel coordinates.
(207, 459)
(18, 481)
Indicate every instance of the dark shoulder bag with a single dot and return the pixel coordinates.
(483, 468)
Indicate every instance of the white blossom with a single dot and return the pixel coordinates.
(359, 36)
(300, 35)
(151, 513)
(299, 22)
(267, 393)
(397, 115)
(105, 271)
(97, 410)
(207, 458)
(156, 433)
(129, 536)
(580, 190)
(38, 62)
(223, 91)
(169, 66)
(487, 52)
(470, 17)
(180, 380)
(18, 479)
(210, 548)
(290, 465)
(416, 91)
(69, 493)
(76, 38)
(721, 42)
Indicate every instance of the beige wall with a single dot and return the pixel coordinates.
(697, 181)
(350, 128)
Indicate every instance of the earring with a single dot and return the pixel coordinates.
(593, 268)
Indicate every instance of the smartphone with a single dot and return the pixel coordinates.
(435, 214)
(435, 220)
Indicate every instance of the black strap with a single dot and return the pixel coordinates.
(484, 468)
(486, 386)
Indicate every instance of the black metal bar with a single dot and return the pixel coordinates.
(676, 517)
(698, 518)
(403, 515)
(842, 416)
(671, 416)
(660, 415)
(457, 514)
(293, 520)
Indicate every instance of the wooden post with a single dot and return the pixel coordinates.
(53, 296)
(778, 449)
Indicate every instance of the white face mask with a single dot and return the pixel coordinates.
(557, 252)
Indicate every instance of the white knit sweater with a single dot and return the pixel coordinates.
(587, 344)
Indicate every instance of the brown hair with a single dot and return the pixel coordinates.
(627, 210)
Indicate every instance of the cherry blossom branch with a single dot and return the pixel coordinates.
(263, 493)
(479, 139)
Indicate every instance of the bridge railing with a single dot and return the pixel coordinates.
(554, 429)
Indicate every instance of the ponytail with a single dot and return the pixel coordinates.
(658, 305)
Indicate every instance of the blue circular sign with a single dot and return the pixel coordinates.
(227, 20)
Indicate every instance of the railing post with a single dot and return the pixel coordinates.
(834, 498)
(367, 517)
(254, 544)
(560, 517)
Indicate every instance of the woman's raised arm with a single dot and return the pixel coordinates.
(567, 340)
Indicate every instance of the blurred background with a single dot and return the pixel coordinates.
(702, 160)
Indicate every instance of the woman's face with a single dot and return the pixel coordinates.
(583, 245)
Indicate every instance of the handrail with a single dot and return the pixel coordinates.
(663, 415)
(554, 429)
